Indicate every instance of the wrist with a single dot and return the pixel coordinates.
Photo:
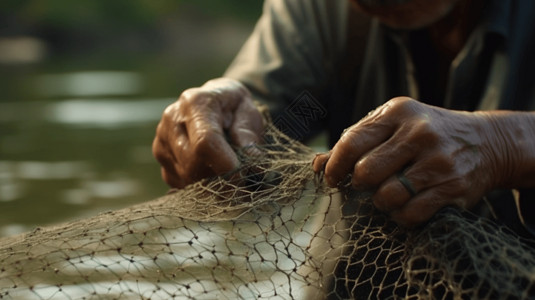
(510, 148)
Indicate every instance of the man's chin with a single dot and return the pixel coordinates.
(407, 15)
(407, 24)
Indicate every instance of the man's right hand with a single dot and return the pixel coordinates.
(191, 138)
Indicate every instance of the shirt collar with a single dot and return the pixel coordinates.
(496, 19)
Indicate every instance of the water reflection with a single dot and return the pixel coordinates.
(106, 112)
(90, 83)
(79, 105)
(39, 170)
(12, 174)
(9, 189)
(67, 184)
(62, 159)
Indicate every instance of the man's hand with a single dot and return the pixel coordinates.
(191, 138)
(419, 158)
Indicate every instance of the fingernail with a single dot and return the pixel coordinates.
(319, 162)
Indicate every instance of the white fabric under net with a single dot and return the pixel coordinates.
(270, 230)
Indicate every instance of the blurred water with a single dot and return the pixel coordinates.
(90, 83)
(66, 158)
(106, 113)
(78, 109)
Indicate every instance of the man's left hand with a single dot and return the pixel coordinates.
(416, 158)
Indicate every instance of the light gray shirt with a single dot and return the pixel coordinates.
(321, 64)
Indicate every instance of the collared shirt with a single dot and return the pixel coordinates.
(476, 75)
(348, 64)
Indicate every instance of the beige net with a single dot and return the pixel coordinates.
(269, 230)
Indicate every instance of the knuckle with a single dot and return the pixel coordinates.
(424, 130)
(170, 111)
(348, 135)
(161, 130)
(157, 148)
(197, 97)
(420, 136)
(189, 95)
(226, 83)
(401, 100)
(363, 173)
(353, 137)
(402, 104)
(170, 116)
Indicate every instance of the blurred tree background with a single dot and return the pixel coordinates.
(82, 86)
(120, 33)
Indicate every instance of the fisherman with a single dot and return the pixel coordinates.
(436, 96)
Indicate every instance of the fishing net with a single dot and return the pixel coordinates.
(269, 230)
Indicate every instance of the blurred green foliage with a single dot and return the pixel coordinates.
(103, 13)
(156, 36)
(115, 32)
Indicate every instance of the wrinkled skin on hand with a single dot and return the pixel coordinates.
(449, 157)
(191, 138)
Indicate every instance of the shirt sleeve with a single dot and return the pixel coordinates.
(293, 50)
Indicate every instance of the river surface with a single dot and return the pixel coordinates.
(76, 131)
(84, 147)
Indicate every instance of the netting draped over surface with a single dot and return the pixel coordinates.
(270, 230)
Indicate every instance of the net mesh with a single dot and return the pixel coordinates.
(271, 230)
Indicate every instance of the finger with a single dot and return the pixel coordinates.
(169, 130)
(420, 208)
(206, 144)
(247, 126)
(319, 162)
(208, 147)
(391, 195)
(374, 129)
(163, 154)
(181, 163)
(233, 94)
(202, 158)
(384, 161)
(172, 179)
(171, 149)
(356, 141)
(170, 162)
(432, 170)
(425, 174)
